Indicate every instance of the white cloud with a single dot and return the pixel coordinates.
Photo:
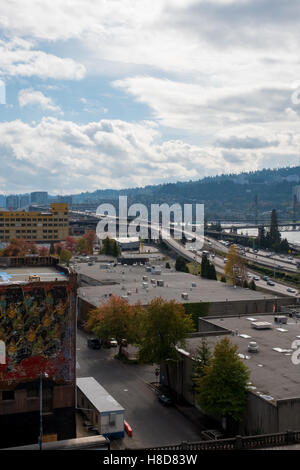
(18, 57)
(56, 154)
(28, 96)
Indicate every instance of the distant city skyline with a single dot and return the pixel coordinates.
(130, 93)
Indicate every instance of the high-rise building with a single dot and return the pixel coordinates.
(37, 348)
(39, 197)
(12, 202)
(2, 200)
(24, 200)
(52, 225)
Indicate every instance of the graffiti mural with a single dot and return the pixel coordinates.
(37, 332)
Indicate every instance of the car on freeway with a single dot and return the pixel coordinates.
(165, 400)
(265, 278)
(256, 278)
(270, 283)
(212, 435)
(94, 343)
(293, 291)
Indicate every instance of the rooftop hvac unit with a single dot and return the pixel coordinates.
(148, 269)
(156, 270)
(184, 295)
(160, 282)
(145, 278)
(145, 284)
(153, 281)
(194, 284)
(261, 325)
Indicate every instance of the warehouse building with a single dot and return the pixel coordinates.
(143, 283)
(273, 404)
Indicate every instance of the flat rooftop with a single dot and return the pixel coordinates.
(128, 281)
(97, 395)
(21, 274)
(273, 374)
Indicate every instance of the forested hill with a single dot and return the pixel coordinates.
(224, 196)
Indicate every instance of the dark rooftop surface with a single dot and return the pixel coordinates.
(128, 281)
(272, 371)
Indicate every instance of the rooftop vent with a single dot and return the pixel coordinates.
(184, 295)
(261, 325)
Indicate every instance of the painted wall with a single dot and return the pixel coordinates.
(37, 327)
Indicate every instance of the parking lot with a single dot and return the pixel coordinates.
(153, 424)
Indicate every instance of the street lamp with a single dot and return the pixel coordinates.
(42, 374)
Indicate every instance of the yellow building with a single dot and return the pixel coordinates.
(36, 226)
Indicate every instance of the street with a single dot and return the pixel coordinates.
(152, 423)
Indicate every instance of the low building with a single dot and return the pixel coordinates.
(128, 243)
(37, 349)
(102, 411)
(143, 283)
(273, 404)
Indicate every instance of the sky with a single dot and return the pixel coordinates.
(98, 94)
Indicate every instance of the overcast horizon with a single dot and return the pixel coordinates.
(127, 93)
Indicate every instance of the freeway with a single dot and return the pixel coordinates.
(196, 256)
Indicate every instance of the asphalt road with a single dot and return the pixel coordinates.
(152, 423)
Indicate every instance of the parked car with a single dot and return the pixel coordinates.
(293, 291)
(253, 347)
(94, 343)
(270, 283)
(165, 400)
(111, 343)
(212, 435)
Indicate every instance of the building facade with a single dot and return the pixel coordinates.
(39, 197)
(37, 347)
(35, 226)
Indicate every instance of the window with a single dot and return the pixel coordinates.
(8, 395)
(112, 419)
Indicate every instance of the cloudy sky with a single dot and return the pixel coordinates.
(124, 93)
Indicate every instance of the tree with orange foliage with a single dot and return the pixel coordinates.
(43, 251)
(115, 318)
(89, 238)
(70, 244)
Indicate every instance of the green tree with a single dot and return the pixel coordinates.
(202, 357)
(180, 265)
(165, 325)
(274, 232)
(65, 256)
(252, 285)
(222, 389)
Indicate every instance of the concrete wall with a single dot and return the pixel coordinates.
(247, 307)
(288, 414)
(261, 416)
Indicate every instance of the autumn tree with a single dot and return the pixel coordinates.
(70, 244)
(235, 268)
(115, 318)
(89, 238)
(222, 389)
(165, 326)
